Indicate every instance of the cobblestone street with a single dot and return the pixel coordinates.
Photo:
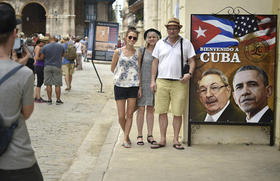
(58, 131)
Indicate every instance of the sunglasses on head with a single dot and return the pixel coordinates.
(132, 37)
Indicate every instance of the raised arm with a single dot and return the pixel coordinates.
(26, 55)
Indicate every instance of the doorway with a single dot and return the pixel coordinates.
(33, 19)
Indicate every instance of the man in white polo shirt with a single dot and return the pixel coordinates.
(170, 86)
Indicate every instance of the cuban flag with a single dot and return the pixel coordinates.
(210, 31)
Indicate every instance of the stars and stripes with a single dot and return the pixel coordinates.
(244, 25)
(263, 27)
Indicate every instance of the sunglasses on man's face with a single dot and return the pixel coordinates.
(132, 37)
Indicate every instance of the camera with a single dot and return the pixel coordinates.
(18, 47)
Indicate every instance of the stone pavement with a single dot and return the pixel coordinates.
(196, 163)
(81, 140)
(67, 138)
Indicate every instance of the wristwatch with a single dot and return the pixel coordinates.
(190, 73)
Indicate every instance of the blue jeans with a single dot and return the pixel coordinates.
(27, 174)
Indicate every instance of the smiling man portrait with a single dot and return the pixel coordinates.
(251, 93)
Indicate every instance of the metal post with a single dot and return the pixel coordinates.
(97, 76)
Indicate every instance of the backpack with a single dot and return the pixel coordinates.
(70, 53)
(6, 133)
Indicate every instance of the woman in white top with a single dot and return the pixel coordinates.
(79, 47)
(125, 67)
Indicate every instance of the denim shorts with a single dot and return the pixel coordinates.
(125, 92)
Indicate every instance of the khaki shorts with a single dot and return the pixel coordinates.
(68, 69)
(52, 76)
(170, 92)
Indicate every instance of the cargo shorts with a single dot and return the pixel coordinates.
(170, 93)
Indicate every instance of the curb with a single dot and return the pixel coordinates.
(106, 153)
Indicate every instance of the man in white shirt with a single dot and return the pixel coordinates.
(170, 87)
(214, 94)
(251, 91)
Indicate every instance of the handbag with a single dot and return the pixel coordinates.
(184, 68)
(6, 133)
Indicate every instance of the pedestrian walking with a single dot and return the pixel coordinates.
(18, 161)
(171, 86)
(79, 51)
(146, 99)
(125, 67)
(68, 65)
(39, 68)
(52, 54)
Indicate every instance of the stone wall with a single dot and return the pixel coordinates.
(63, 17)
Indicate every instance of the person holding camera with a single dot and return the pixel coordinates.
(20, 52)
(171, 86)
(17, 161)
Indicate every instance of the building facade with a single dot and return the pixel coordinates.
(156, 14)
(64, 17)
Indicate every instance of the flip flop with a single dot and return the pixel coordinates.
(128, 141)
(156, 146)
(126, 145)
(178, 146)
(140, 142)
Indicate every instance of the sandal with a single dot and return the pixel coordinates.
(149, 141)
(128, 141)
(126, 145)
(178, 146)
(156, 146)
(140, 142)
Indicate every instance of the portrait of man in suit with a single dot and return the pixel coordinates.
(251, 92)
(214, 94)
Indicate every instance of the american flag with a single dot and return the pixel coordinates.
(263, 27)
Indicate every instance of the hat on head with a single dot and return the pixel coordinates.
(152, 30)
(65, 38)
(44, 38)
(173, 22)
(8, 18)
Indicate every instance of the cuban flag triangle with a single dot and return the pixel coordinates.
(210, 31)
